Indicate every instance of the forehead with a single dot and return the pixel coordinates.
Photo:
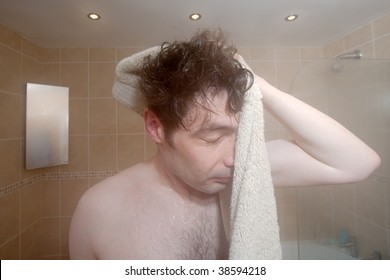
(209, 113)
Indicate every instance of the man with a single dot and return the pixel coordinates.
(167, 207)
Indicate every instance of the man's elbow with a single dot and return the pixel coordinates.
(366, 168)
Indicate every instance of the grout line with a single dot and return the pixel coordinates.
(88, 112)
(59, 213)
(20, 225)
(116, 123)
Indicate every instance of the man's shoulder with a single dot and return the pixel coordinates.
(108, 209)
(118, 185)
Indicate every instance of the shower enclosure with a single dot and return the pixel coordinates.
(351, 220)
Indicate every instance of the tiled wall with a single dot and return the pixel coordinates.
(36, 206)
(355, 96)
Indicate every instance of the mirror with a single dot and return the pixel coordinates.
(47, 125)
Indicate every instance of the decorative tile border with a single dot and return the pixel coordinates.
(77, 175)
(55, 176)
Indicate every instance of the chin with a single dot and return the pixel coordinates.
(214, 188)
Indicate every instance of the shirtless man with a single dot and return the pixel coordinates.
(167, 207)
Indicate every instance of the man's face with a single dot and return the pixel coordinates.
(202, 155)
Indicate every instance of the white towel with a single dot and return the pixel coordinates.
(125, 89)
(248, 207)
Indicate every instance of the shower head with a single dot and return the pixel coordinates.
(356, 54)
(337, 67)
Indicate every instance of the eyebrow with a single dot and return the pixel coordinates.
(214, 127)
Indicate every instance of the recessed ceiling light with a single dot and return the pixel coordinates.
(93, 16)
(195, 16)
(291, 17)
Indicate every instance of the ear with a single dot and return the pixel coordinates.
(153, 126)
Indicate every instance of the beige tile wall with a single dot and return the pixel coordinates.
(372, 38)
(105, 137)
(359, 103)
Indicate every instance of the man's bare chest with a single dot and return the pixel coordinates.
(204, 238)
(197, 236)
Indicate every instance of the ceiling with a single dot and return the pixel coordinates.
(125, 23)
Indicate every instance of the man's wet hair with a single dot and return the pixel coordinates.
(184, 73)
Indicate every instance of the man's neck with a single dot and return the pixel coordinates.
(173, 183)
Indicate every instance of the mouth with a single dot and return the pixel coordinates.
(224, 180)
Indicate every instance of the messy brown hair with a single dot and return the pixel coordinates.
(183, 71)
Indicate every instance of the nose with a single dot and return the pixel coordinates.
(229, 161)
(229, 154)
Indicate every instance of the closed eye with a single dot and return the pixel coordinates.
(212, 140)
(213, 134)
